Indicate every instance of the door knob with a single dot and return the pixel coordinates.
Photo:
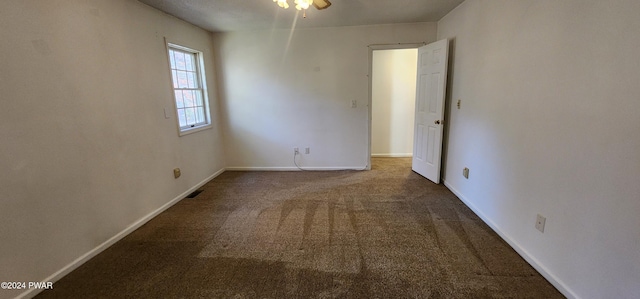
(437, 122)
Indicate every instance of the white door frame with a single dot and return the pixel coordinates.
(370, 75)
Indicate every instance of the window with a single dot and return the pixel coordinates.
(192, 103)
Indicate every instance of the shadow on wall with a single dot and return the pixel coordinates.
(448, 106)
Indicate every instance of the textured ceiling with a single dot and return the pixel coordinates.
(234, 15)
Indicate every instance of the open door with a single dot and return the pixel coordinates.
(429, 118)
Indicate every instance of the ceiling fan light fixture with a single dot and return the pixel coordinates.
(303, 4)
(282, 3)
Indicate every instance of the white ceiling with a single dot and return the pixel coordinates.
(235, 15)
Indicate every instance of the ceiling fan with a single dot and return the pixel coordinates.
(321, 4)
(304, 4)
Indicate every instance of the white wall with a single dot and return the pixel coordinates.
(86, 151)
(279, 94)
(393, 101)
(550, 124)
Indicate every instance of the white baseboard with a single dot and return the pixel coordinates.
(406, 155)
(558, 284)
(236, 168)
(106, 244)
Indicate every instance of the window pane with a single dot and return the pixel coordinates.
(188, 98)
(199, 98)
(201, 115)
(191, 116)
(179, 101)
(174, 77)
(192, 80)
(182, 79)
(172, 59)
(190, 62)
(182, 119)
(180, 61)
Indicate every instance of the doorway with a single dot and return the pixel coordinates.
(430, 79)
(393, 91)
(382, 48)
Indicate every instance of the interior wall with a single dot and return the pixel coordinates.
(286, 89)
(549, 125)
(86, 148)
(393, 102)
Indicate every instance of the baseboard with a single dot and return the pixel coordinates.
(557, 283)
(236, 168)
(407, 155)
(100, 248)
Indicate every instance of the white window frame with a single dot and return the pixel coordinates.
(201, 88)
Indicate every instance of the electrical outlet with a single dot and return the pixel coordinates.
(307, 150)
(465, 173)
(459, 102)
(354, 104)
(296, 151)
(540, 223)
(176, 173)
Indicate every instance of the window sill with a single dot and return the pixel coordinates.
(194, 130)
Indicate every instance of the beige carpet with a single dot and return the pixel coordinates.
(384, 233)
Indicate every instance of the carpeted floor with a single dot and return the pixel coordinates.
(384, 233)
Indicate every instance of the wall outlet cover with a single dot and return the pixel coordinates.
(540, 221)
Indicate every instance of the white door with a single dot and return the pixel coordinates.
(429, 120)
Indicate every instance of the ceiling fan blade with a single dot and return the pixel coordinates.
(321, 4)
